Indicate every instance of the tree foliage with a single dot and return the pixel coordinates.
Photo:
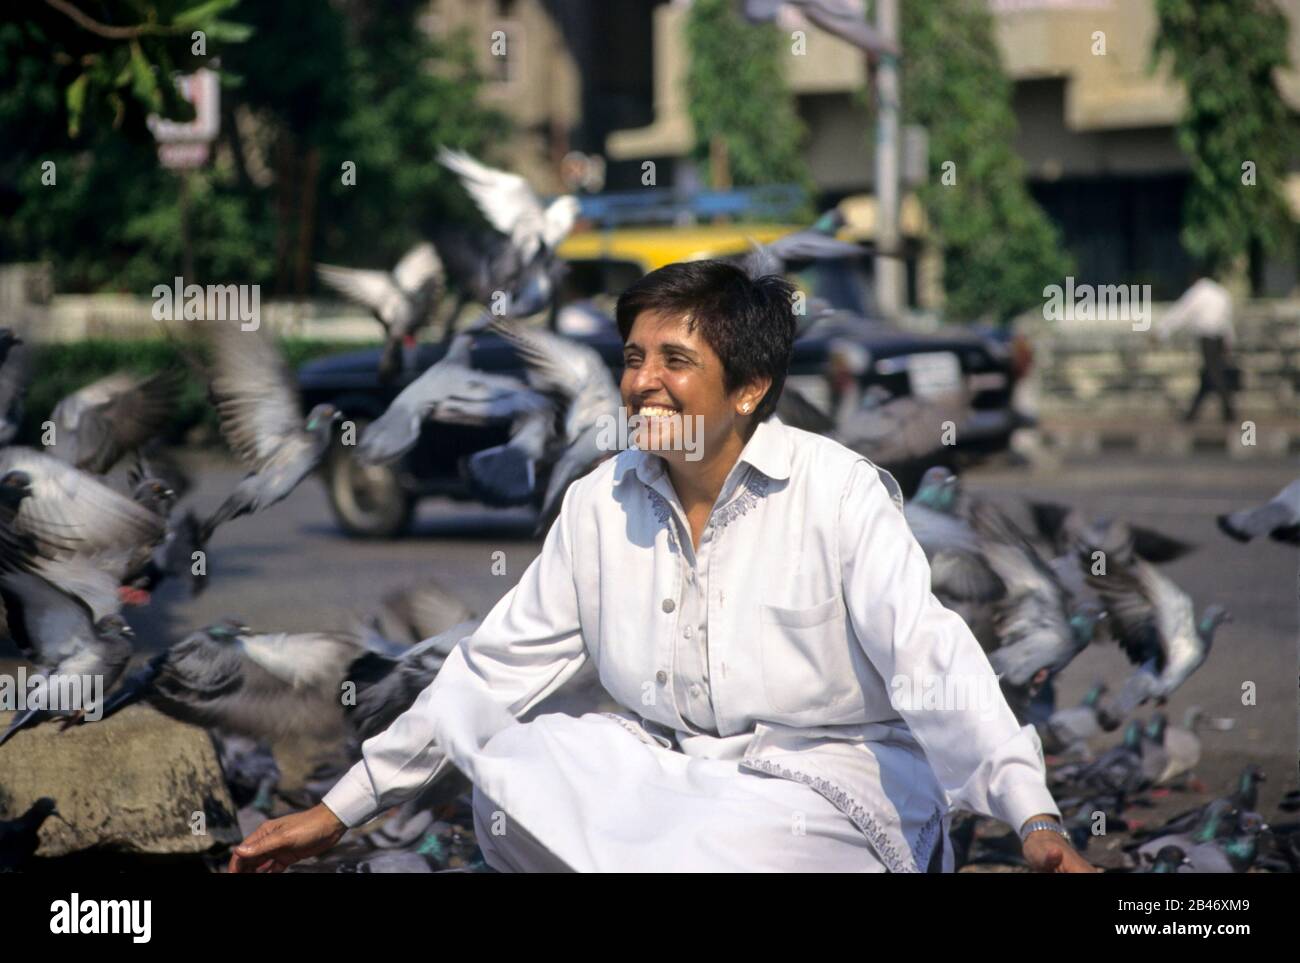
(999, 249)
(738, 98)
(307, 87)
(1237, 131)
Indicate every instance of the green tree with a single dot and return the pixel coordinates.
(747, 132)
(1237, 132)
(310, 86)
(999, 249)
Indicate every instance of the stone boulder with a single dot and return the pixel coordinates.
(131, 783)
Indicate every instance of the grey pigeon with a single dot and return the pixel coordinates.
(108, 536)
(263, 686)
(402, 300)
(576, 376)
(452, 392)
(98, 424)
(1040, 630)
(1279, 518)
(1068, 731)
(512, 207)
(174, 556)
(60, 634)
(387, 686)
(520, 261)
(1065, 528)
(1153, 619)
(1168, 860)
(411, 615)
(896, 430)
(257, 401)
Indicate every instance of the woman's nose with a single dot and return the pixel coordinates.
(644, 379)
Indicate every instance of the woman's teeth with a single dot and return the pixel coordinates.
(656, 411)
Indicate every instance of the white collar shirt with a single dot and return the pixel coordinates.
(803, 632)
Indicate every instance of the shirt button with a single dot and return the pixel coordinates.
(661, 676)
(669, 605)
(695, 691)
(687, 631)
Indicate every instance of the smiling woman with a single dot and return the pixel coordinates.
(751, 610)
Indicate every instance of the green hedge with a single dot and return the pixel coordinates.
(60, 369)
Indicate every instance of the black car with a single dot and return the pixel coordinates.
(380, 502)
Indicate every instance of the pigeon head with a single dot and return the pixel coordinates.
(7, 340)
(114, 627)
(322, 417)
(155, 495)
(14, 487)
(938, 489)
(1084, 621)
(1169, 859)
(1211, 618)
(229, 629)
(1156, 727)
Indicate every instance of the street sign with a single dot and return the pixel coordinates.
(184, 144)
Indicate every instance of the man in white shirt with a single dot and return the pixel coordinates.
(796, 697)
(1205, 309)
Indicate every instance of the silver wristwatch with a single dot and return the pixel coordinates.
(1048, 824)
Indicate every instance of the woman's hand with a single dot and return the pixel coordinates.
(1049, 852)
(279, 843)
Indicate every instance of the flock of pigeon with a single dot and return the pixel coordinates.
(1035, 599)
(79, 546)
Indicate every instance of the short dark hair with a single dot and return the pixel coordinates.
(748, 322)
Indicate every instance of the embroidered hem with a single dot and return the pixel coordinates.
(860, 816)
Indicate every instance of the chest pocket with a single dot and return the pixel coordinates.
(806, 664)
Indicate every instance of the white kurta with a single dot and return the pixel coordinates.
(830, 715)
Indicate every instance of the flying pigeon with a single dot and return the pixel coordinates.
(255, 398)
(402, 300)
(1279, 518)
(98, 424)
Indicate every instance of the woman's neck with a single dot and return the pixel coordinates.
(700, 482)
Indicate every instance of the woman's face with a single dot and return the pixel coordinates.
(673, 379)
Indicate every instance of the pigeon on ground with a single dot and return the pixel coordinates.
(255, 396)
(98, 424)
(1279, 518)
(1068, 730)
(1169, 860)
(402, 300)
(20, 837)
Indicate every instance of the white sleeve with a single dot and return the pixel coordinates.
(528, 646)
(984, 760)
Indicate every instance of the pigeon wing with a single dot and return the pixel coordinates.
(255, 397)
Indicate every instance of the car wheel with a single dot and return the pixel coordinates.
(368, 501)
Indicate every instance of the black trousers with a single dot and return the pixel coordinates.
(1214, 377)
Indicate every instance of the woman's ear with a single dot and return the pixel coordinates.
(751, 395)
